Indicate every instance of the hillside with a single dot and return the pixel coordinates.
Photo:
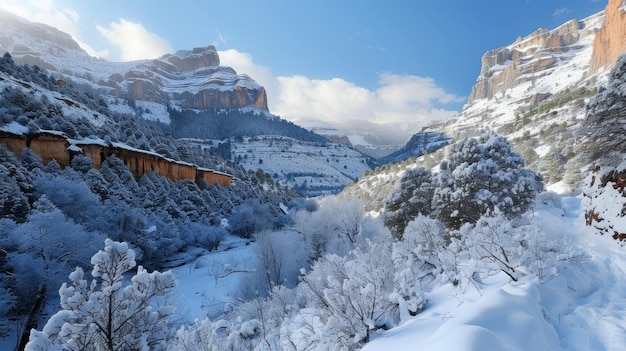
(537, 91)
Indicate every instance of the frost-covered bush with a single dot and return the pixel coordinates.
(250, 217)
(108, 313)
(280, 258)
(335, 228)
(495, 244)
(417, 263)
(349, 297)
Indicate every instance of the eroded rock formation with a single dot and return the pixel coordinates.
(55, 146)
(526, 58)
(193, 79)
(610, 40)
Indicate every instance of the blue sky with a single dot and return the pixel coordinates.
(395, 62)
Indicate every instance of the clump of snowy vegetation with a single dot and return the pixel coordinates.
(107, 313)
(482, 176)
(326, 274)
(333, 277)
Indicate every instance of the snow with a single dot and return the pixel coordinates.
(153, 111)
(313, 166)
(581, 308)
(211, 284)
(15, 128)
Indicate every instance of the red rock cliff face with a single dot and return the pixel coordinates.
(505, 67)
(193, 79)
(55, 147)
(610, 41)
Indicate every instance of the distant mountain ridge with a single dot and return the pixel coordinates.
(421, 143)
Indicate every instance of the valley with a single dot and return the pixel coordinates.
(158, 204)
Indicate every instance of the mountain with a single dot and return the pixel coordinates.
(376, 144)
(187, 78)
(190, 96)
(420, 143)
(537, 91)
(551, 93)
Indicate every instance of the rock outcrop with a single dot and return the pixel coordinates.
(610, 41)
(526, 58)
(55, 146)
(191, 79)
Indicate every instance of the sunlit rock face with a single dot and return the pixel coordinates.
(526, 58)
(610, 40)
(193, 79)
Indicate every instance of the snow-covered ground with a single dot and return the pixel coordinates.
(581, 307)
(211, 284)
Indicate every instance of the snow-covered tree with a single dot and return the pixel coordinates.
(250, 217)
(280, 256)
(109, 313)
(417, 262)
(483, 174)
(335, 228)
(412, 198)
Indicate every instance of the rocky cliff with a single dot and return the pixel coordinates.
(527, 58)
(188, 78)
(610, 40)
(191, 79)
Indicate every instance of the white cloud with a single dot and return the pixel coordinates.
(243, 64)
(560, 11)
(135, 41)
(401, 103)
(43, 11)
(398, 107)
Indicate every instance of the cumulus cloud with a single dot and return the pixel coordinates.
(398, 107)
(243, 63)
(135, 41)
(44, 11)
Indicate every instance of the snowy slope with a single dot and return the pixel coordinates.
(51, 49)
(373, 144)
(312, 169)
(580, 308)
